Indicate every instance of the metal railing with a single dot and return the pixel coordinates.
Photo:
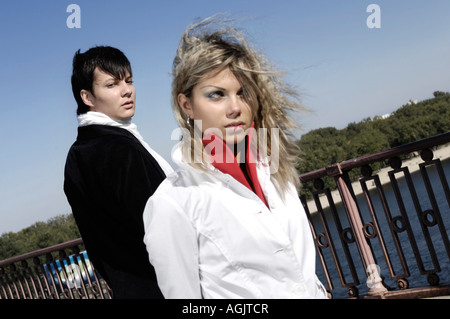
(404, 238)
(340, 249)
(43, 275)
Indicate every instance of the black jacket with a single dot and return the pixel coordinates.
(108, 179)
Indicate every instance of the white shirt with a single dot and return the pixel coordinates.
(209, 236)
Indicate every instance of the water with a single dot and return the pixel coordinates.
(415, 279)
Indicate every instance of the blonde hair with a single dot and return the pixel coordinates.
(212, 45)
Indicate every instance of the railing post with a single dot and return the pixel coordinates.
(374, 280)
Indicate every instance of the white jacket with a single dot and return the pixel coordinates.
(209, 236)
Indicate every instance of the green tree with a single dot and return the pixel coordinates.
(56, 230)
(409, 123)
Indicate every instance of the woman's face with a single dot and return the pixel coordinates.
(218, 101)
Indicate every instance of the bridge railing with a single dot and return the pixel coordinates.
(345, 241)
(52, 273)
(363, 248)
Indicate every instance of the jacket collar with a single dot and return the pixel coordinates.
(95, 130)
(222, 158)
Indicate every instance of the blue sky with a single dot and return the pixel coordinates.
(345, 71)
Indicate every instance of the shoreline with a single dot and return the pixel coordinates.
(441, 153)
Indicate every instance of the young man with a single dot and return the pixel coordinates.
(111, 172)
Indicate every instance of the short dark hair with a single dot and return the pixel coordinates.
(107, 59)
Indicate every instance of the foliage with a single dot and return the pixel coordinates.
(411, 122)
(56, 230)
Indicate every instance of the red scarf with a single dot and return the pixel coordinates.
(220, 153)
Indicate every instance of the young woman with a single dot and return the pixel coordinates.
(229, 223)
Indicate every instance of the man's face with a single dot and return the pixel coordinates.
(111, 96)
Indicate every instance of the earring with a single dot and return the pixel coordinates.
(187, 121)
